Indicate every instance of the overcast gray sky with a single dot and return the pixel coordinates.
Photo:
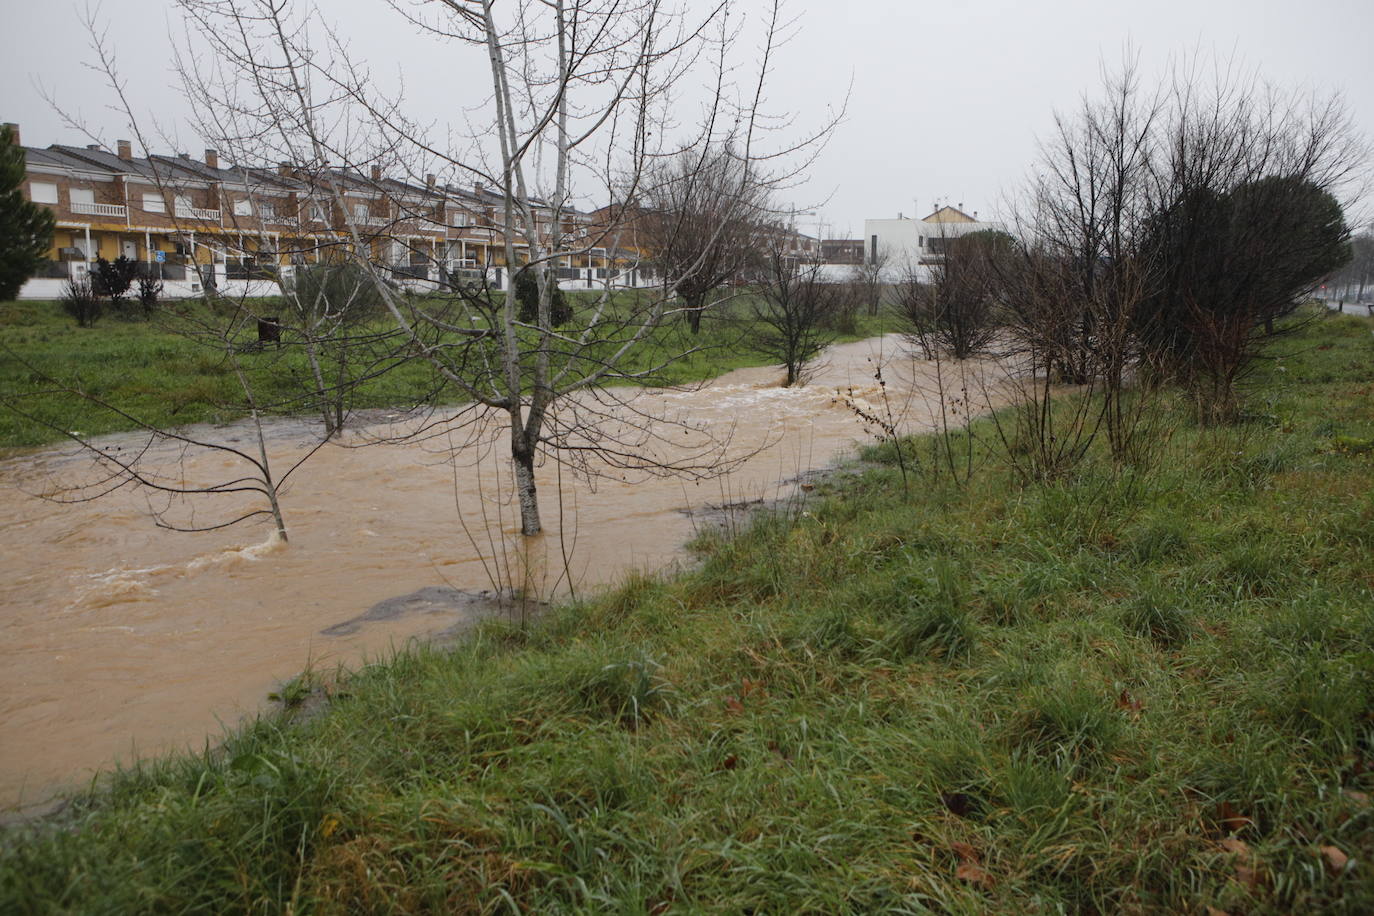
(947, 97)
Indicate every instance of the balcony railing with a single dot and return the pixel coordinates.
(209, 216)
(99, 209)
(414, 271)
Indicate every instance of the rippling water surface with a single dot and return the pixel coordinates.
(120, 638)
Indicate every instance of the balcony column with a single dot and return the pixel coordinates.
(88, 244)
(148, 245)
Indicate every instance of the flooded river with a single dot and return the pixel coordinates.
(120, 638)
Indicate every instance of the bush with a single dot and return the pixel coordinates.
(80, 300)
(527, 295)
(149, 289)
(343, 290)
(113, 278)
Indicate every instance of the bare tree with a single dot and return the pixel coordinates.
(581, 91)
(701, 212)
(869, 277)
(1073, 289)
(1359, 273)
(793, 311)
(956, 308)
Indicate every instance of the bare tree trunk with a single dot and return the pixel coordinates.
(695, 304)
(522, 452)
(312, 356)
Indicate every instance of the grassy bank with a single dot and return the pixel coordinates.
(169, 379)
(1121, 693)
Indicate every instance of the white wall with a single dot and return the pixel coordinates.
(907, 242)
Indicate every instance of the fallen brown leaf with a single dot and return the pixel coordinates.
(1335, 859)
(1359, 798)
(1247, 876)
(1213, 911)
(1231, 820)
(965, 852)
(1238, 847)
(974, 874)
(734, 705)
(1126, 701)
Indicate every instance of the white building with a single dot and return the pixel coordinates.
(916, 244)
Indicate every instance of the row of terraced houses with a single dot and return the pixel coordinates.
(202, 224)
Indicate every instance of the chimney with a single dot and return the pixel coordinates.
(14, 131)
(126, 149)
(179, 155)
(93, 146)
(429, 181)
(477, 188)
(212, 158)
(284, 169)
(899, 215)
(376, 173)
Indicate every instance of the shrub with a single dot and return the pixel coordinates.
(149, 289)
(345, 291)
(80, 300)
(527, 295)
(113, 278)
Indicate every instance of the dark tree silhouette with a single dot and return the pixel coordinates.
(26, 228)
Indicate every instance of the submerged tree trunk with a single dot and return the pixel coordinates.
(522, 454)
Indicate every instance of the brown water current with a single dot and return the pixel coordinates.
(120, 638)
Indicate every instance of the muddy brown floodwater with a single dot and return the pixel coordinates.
(120, 638)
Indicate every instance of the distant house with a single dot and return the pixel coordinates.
(917, 244)
(842, 251)
(202, 224)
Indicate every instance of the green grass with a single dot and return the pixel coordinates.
(167, 378)
(963, 700)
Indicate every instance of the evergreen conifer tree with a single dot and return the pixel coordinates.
(25, 228)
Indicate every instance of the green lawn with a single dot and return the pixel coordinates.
(164, 374)
(1124, 692)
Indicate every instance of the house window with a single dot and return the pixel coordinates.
(153, 203)
(42, 192)
(82, 196)
(267, 211)
(243, 208)
(360, 211)
(920, 241)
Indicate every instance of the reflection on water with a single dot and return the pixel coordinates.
(121, 638)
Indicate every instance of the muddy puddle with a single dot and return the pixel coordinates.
(120, 638)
